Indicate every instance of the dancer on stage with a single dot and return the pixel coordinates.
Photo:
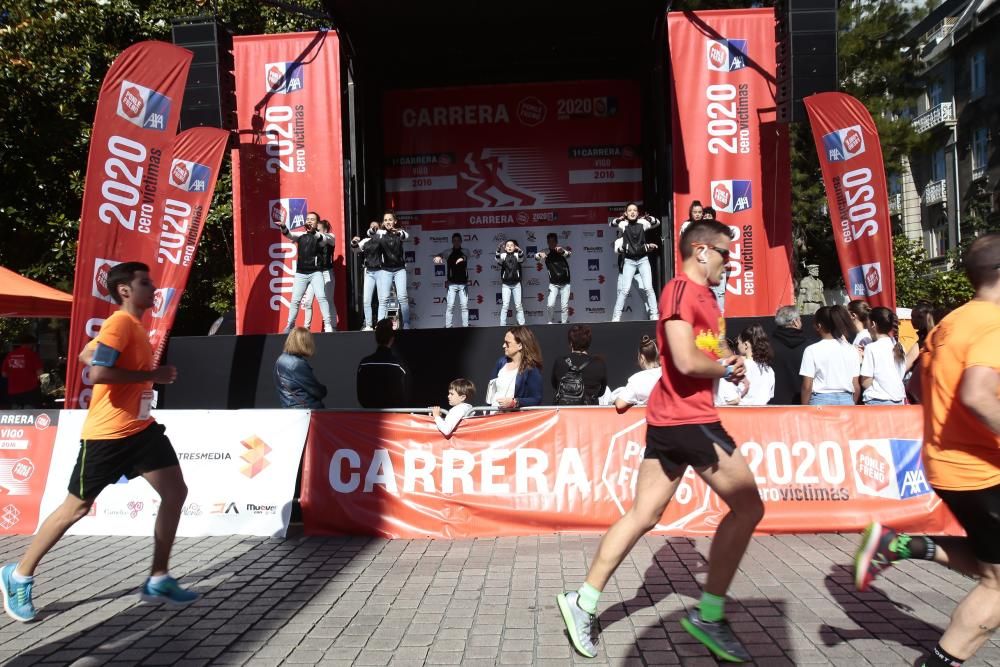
(390, 240)
(308, 269)
(555, 257)
(633, 228)
(509, 257)
(371, 261)
(456, 280)
(119, 438)
(960, 367)
(683, 429)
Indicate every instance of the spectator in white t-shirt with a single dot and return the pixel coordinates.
(460, 395)
(758, 355)
(830, 368)
(727, 393)
(640, 385)
(884, 362)
(860, 313)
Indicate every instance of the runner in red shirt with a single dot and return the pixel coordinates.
(22, 368)
(683, 429)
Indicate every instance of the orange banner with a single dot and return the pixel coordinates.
(536, 472)
(26, 441)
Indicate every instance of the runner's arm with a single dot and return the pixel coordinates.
(688, 359)
(102, 361)
(978, 392)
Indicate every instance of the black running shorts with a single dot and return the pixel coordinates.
(979, 514)
(101, 463)
(677, 447)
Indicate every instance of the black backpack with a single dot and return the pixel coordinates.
(571, 390)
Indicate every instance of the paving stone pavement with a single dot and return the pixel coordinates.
(365, 601)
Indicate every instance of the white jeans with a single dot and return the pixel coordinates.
(506, 292)
(386, 279)
(307, 299)
(631, 267)
(463, 303)
(562, 291)
(302, 281)
(367, 292)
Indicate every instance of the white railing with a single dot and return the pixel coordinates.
(896, 203)
(940, 31)
(942, 113)
(936, 192)
(978, 172)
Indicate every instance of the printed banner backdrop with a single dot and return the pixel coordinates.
(26, 440)
(514, 161)
(287, 92)
(854, 174)
(544, 471)
(183, 206)
(729, 153)
(239, 466)
(130, 145)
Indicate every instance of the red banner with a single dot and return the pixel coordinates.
(26, 442)
(545, 471)
(130, 145)
(183, 206)
(851, 157)
(729, 153)
(288, 93)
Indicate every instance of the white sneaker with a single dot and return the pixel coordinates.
(367, 329)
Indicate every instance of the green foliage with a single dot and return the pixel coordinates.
(919, 279)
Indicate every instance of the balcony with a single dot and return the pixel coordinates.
(936, 192)
(896, 203)
(978, 173)
(943, 113)
(939, 32)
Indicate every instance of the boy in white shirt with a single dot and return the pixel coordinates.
(460, 394)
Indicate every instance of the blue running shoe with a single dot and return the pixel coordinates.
(167, 591)
(16, 596)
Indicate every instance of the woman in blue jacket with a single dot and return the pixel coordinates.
(517, 377)
(293, 376)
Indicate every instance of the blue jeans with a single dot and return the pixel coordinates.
(508, 291)
(367, 291)
(463, 303)
(879, 401)
(385, 279)
(833, 398)
(629, 269)
(308, 298)
(562, 291)
(302, 281)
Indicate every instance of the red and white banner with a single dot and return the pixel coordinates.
(729, 153)
(514, 161)
(130, 145)
(26, 442)
(544, 471)
(854, 174)
(287, 92)
(183, 207)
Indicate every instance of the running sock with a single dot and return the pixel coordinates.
(588, 598)
(20, 578)
(910, 547)
(711, 607)
(941, 658)
(158, 579)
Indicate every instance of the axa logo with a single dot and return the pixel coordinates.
(284, 78)
(438, 269)
(594, 295)
(161, 301)
(474, 312)
(865, 280)
(732, 196)
(593, 265)
(726, 55)
(100, 286)
(255, 456)
(290, 212)
(844, 144)
(190, 176)
(888, 468)
(143, 107)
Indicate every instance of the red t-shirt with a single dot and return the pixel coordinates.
(678, 398)
(21, 368)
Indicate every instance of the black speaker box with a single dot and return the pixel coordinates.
(210, 92)
(806, 54)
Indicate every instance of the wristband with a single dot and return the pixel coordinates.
(729, 369)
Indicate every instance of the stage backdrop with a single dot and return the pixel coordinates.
(514, 161)
(729, 152)
(574, 470)
(289, 161)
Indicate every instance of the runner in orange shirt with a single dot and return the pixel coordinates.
(119, 438)
(960, 368)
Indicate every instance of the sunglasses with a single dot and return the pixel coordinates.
(721, 251)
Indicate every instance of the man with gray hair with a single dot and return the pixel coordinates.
(789, 343)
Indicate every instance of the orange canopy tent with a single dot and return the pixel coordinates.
(23, 297)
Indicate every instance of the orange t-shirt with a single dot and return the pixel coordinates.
(960, 452)
(114, 408)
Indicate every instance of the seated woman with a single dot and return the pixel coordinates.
(517, 378)
(293, 376)
(640, 385)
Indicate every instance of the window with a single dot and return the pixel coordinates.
(937, 238)
(938, 165)
(977, 74)
(980, 152)
(935, 95)
(895, 186)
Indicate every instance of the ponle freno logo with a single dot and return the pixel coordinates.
(189, 176)
(531, 111)
(161, 301)
(865, 280)
(731, 196)
(889, 468)
(844, 144)
(143, 107)
(42, 422)
(100, 286)
(726, 55)
(290, 212)
(284, 78)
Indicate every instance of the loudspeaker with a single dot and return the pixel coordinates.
(806, 37)
(210, 92)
